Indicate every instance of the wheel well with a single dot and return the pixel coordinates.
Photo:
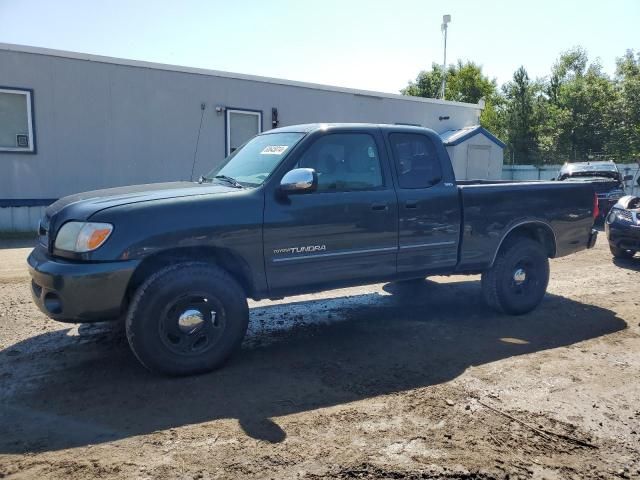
(538, 231)
(222, 257)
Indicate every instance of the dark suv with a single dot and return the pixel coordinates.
(605, 178)
(623, 227)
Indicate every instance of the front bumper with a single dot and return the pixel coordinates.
(78, 291)
(625, 236)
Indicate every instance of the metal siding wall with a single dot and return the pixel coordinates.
(20, 219)
(100, 125)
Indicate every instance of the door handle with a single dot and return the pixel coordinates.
(411, 204)
(379, 207)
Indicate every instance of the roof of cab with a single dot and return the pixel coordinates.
(311, 127)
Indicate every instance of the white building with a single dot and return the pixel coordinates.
(73, 122)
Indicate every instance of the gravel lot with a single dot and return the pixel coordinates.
(383, 381)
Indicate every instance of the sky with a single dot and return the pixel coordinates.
(369, 45)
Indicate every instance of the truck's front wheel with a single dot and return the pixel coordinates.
(187, 318)
(517, 281)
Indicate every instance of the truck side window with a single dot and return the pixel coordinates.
(416, 160)
(344, 162)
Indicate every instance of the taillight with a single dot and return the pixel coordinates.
(596, 209)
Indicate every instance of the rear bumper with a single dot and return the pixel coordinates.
(76, 291)
(625, 237)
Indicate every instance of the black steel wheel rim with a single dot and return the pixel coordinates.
(192, 324)
(524, 278)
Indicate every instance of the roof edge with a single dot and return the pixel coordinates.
(474, 132)
(218, 73)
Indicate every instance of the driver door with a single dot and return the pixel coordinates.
(347, 229)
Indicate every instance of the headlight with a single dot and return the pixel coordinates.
(620, 215)
(82, 236)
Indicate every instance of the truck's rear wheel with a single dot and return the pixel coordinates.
(518, 279)
(621, 253)
(187, 318)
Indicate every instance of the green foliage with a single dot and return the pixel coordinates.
(575, 113)
(626, 137)
(465, 83)
(521, 137)
(427, 84)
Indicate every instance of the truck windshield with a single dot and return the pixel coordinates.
(592, 174)
(252, 163)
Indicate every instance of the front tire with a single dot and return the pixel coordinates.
(621, 253)
(186, 319)
(518, 279)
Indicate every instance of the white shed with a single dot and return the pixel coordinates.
(475, 153)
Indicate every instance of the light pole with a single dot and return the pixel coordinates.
(445, 22)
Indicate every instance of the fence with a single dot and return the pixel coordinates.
(547, 172)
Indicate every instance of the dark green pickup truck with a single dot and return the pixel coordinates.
(297, 209)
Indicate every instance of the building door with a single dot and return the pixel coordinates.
(241, 125)
(478, 162)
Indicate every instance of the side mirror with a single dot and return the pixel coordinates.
(299, 180)
(626, 178)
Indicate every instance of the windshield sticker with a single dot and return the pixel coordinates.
(274, 150)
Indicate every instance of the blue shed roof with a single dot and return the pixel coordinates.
(454, 137)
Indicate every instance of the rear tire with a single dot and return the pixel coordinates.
(518, 279)
(621, 253)
(187, 318)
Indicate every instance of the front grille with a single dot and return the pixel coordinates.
(626, 215)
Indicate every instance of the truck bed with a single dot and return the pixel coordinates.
(490, 207)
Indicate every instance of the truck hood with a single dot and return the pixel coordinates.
(82, 205)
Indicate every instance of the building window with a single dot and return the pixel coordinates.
(16, 121)
(241, 126)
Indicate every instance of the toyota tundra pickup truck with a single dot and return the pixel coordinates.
(295, 210)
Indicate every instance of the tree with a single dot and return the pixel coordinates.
(521, 135)
(625, 141)
(574, 114)
(427, 84)
(578, 111)
(465, 83)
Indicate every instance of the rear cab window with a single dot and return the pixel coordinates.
(416, 160)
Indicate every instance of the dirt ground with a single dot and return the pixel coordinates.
(383, 381)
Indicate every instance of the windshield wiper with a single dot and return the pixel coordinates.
(230, 180)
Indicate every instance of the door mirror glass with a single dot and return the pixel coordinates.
(299, 180)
